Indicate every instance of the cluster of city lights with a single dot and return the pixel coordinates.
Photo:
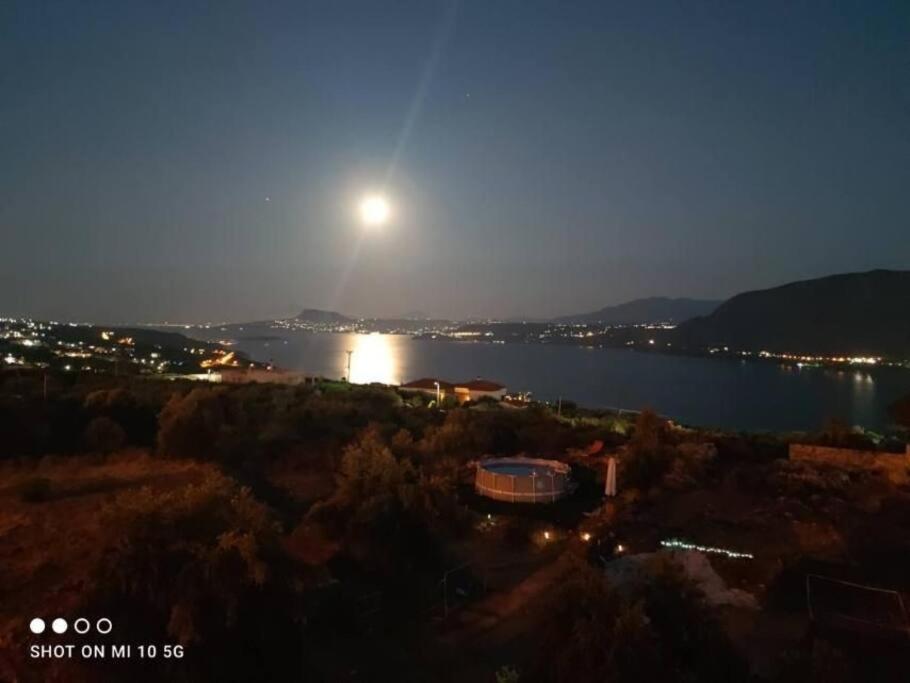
(96, 345)
(803, 359)
(676, 544)
(369, 326)
(852, 360)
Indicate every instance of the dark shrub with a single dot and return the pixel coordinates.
(104, 435)
(657, 628)
(35, 490)
(203, 566)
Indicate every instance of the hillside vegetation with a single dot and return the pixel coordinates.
(330, 532)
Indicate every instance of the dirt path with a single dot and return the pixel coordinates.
(503, 615)
(493, 632)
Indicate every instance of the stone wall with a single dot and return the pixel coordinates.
(895, 466)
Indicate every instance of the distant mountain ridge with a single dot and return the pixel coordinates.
(317, 315)
(653, 309)
(853, 313)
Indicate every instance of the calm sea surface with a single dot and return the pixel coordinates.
(711, 392)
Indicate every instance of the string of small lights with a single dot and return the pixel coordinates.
(677, 544)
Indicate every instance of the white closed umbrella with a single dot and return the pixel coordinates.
(610, 489)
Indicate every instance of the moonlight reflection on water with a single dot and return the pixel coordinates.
(374, 360)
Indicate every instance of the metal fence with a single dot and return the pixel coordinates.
(843, 605)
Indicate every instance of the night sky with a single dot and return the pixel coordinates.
(189, 161)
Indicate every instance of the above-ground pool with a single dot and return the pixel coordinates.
(522, 480)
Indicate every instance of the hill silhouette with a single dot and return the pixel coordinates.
(852, 313)
(316, 315)
(653, 309)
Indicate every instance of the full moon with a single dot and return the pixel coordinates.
(374, 210)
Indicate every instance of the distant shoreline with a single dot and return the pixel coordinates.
(649, 339)
(810, 360)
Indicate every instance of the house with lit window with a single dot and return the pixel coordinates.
(440, 389)
(478, 388)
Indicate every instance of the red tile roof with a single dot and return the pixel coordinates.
(482, 385)
(429, 383)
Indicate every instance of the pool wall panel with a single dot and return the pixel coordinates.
(518, 488)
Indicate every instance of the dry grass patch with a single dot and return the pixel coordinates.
(51, 534)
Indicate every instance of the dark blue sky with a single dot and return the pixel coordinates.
(542, 157)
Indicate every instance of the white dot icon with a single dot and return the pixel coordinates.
(59, 625)
(36, 625)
